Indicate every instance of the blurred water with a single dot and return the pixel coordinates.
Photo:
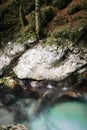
(52, 112)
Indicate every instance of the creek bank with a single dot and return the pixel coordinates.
(47, 59)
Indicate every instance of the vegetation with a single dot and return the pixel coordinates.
(47, 14)
(74, 8)
(16, 16)
(22, 19)
(85, 4)
(60, 4)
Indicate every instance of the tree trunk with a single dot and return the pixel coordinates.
(22, 19)
(38, 19)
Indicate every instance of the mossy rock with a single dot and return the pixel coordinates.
(80, 32)
(76, 34)
(8, 82)
(60, 4)
(74, 9)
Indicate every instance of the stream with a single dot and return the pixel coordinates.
(50, 107)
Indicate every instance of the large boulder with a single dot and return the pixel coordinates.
(50, 62)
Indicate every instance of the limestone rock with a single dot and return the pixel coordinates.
(9, 53)
(48, 62)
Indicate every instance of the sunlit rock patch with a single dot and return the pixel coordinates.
(8, 54)
(48, 62)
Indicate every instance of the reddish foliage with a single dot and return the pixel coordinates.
(70, 17)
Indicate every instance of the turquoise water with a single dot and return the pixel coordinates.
(64, 116)
(68, 115)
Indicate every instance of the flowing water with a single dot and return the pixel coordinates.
(51, 112)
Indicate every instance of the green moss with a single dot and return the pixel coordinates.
(85, 4)
(75, 34)
(60, 32)
(9, 21)
(28, 6)
(60, 4)
(46, 2)
(79, 32)
(74, 8)
(48, 14)
(60, 20)
(51, 41)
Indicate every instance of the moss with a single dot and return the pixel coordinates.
(75, 18)
(85, 4)
(46, 2)
(60, 4)
(60, 32)
(48, 14)
(9, 21)
(28, 6)
(74, 9)
(75, 34)
(60, 20)
(79, 32)
(51, 41)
